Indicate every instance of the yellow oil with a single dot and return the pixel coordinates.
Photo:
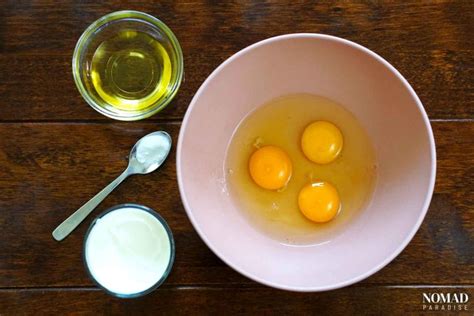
(281, 122)
(131, 71)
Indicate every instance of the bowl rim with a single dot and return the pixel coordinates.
(115, 16)
(427, 198)
(168, 232)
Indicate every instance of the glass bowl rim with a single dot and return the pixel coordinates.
(140, 17)
(168, 232)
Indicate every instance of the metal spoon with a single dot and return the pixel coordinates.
(146, 156)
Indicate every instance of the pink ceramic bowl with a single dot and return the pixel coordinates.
(383, 102)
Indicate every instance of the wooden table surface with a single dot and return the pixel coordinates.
(56, 152)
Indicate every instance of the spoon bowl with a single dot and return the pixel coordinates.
(142, 160)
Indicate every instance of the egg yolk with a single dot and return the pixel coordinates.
(270, 167)
(319, 201)
(321, 142)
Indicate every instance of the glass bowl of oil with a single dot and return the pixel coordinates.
(128, 65)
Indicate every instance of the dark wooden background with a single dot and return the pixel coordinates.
(56, 152)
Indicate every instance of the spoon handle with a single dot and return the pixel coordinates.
(66, 227)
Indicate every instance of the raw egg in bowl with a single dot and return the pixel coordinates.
(306, 162)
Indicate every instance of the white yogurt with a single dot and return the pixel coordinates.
(128, 251)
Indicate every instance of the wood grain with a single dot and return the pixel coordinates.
(430, 44)
(212, 301)
(49, 170)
